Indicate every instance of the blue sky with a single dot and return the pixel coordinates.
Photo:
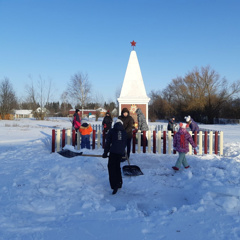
(55, 39)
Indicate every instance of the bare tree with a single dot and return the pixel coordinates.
(39, 94)
(65, 106)
(159, 107)
(231, 109)
(43, 95)
(31, 99)
(79, 89)
(201, 93)
(98, 99)
(8, 99)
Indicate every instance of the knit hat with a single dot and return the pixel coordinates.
(125, 110)
(183, 125)
(188, 118)
(119, 121)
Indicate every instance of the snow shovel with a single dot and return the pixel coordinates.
(131, 170)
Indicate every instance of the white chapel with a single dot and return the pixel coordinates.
(133, 93)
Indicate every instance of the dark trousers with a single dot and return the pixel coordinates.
(76, 130)
(129, 146)
(85, 141)
(114, 170)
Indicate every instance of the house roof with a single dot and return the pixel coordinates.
(23, 112)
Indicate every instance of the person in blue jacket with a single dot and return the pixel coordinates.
(192, 124)
(116, 143)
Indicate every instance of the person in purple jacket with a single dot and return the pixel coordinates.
(181, 141)
(192, 124)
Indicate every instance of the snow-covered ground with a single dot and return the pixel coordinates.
(46, 196)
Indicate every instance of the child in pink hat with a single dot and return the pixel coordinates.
(181, 141)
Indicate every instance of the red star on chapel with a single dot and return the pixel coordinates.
(133, 44)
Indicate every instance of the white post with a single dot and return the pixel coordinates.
(221, 144)
(78, 141)
(68, 137)
(139, 141)
(159, 142)
(58, 139)
(210, 142)
(169, 142)
(149, 141)
(98, 139)
(190, 146)
(200, 143)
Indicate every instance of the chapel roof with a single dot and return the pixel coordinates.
(133, 85)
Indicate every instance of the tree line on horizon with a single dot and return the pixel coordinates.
(202, 93)
(38, 95)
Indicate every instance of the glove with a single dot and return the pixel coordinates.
(135, 130)
(196, 148)
(104, 155)
(105, 126)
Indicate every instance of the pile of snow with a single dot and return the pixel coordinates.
(46, 196)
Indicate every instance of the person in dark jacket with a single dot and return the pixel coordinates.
(192, 124)
(76, 123)
(107, 122)
(128, 123)
(115, 144)
(76, 120)
(171, 124)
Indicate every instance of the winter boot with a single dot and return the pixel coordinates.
(187, 166)
(175, 168)
(115, 190)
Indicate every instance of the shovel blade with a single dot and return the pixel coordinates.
(132, 170)
(69, 154)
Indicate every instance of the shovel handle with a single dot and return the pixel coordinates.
(90, 155)
(127, 158)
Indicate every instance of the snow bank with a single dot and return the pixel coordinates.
(46, 196)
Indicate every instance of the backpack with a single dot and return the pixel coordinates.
(76, 123)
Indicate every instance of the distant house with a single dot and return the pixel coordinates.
(88, 112)
(23, 114)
